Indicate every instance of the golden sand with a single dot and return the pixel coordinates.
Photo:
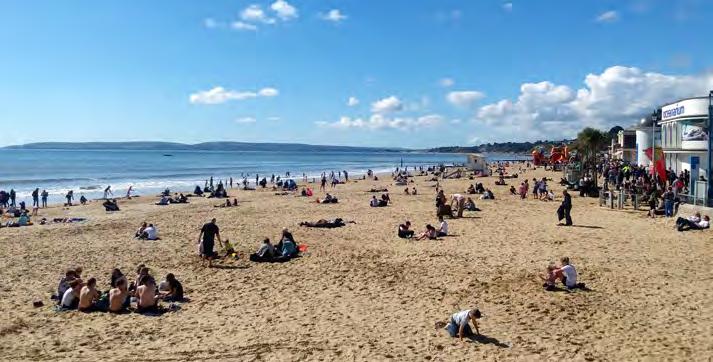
(361, 293)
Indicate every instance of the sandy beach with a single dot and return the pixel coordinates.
(360, 292)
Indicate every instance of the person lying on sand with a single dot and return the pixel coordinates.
(430, 233)
(405, 231)
(118, 296)
(381, 189)
(322, 223)
(688, 224)
(459, 326)
(88, 296)
(566, 273)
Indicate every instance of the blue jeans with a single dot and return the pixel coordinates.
(668, 208)
(453, 329)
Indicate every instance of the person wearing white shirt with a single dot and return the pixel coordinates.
(458, 325)
(566, 273)
(443, 227)
(151, 232)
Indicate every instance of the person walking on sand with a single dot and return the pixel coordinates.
(565, 209)
(206, 240)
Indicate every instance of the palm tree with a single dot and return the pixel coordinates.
(589, 142)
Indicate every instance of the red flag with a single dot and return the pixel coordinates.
(659, 162)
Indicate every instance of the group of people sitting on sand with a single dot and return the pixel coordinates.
(694, 222)
(566, 273)
(146, 232)
(176, 199)
(227, 203)
(384, 201)
(412, 192)
(328, 199)
(477, 189)
(74, 293)
(431, 233)
(283, 251)
(307, 192)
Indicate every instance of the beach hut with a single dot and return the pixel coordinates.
(476, 162)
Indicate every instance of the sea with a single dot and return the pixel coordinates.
(148, 172)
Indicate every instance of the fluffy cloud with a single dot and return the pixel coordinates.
(618, 96)
(387, 105)
(380, 121)
(333, 15)
(254, 14)
(241, 25)
(246, 120)
(464, 98)
(219, 95)
(607, 17)
(446, 82)
(507, 7)
(284, 10)
(352, 101)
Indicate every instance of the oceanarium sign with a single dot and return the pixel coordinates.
(693, 107)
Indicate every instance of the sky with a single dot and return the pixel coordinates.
(391, 73)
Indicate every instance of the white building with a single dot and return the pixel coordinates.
(644, 131)
(684, 139)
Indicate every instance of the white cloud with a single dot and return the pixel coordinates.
(387, 105)
(380, 121)
(254, 14)
(268, 92)
(607, 17)
(507, 7)
(618, 96)
(352, 101)
(446, 82)
(333, 15)
(241, 25)
(284, 10)
(218, 95)
(464, 98)
(246, 120)
(273, 119)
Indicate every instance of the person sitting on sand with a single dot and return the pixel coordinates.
(174, 291)
(328, 199)
(284, 237)
(63, 285)
(470, 205)
(116, 274)
(385, 199)
(487, 195)
(146, 295)
(225, 204)
(374, 202)
(82, 200)
(139, 233)
(459, 326)
(110, 205)
(686, 224)
(197, 191)
(70, 298)
(88, 296)
(165, 200)
(288, 248)
(118, 296)
(442, 227)
(24, 219)
(407, 192)
(413, 191)
(512, 190)
(566, 273)
(430, 233)
(266, 252)
(405, 231)
(150, 233)
(471, 190)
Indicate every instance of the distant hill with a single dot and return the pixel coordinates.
(207, 146)
(505, 147)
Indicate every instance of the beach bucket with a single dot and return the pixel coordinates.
(302, 248)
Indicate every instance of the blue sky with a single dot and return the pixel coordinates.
(419, 73)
